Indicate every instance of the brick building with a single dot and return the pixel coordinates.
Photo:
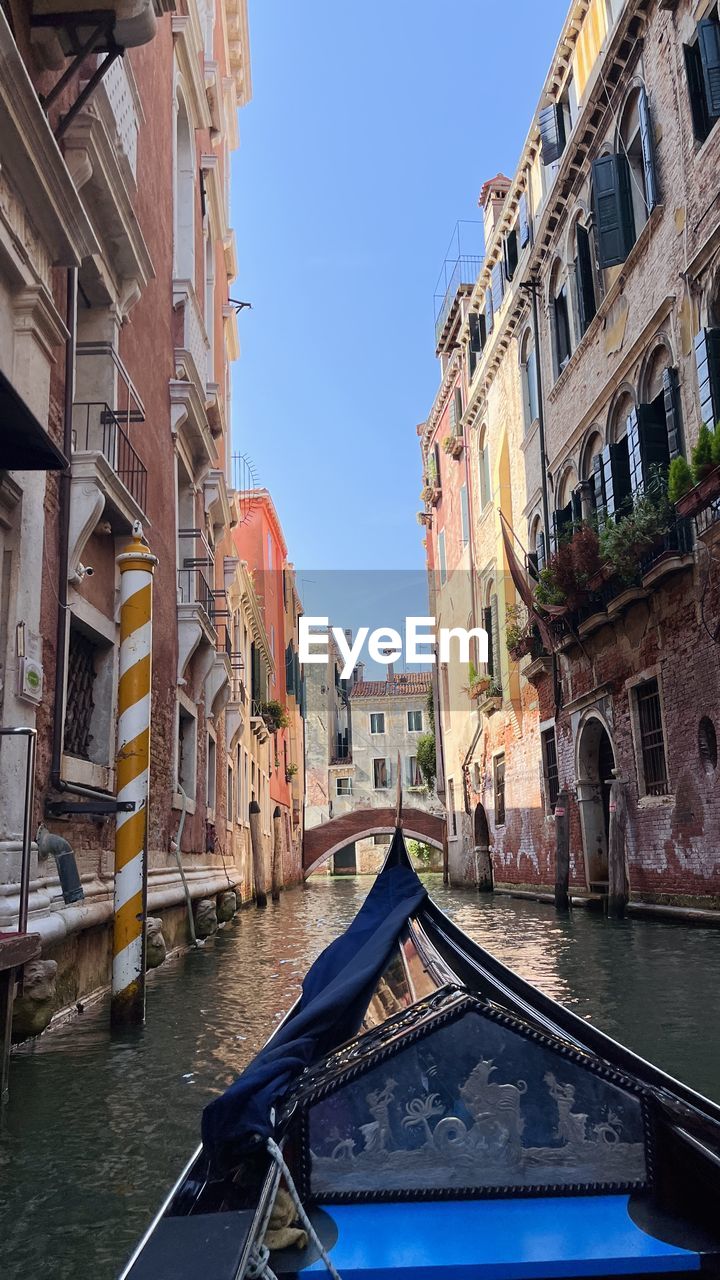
(124, 337)
(587, 358)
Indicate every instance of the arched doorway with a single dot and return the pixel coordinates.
(595, 765)
(483, 861)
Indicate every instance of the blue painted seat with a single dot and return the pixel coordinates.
(498, 1240)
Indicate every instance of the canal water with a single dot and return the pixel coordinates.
(97, 1129)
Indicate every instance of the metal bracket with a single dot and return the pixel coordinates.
(91, 808)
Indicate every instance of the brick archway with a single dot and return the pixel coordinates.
(322, 842)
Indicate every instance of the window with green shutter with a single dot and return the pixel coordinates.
(707, 360)
(524, 224)
(612, 201)
(510, 253)
(702, 68)
(464, 516)
(673, 415)
(498, 285)
(647, 439)
(584, 278)
(551, 123)
(615, 461)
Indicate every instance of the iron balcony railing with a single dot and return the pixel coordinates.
(195, 550)
(97, 429)
(462, 273)
(194, 588)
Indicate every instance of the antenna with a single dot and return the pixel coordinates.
(398, 808)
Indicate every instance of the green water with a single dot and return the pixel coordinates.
(97, 1129)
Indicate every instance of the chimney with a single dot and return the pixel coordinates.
(390, 668)
(491, 201)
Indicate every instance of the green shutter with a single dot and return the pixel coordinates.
(489, 314)
(612, 199)
(709, 46)
(495, 631)
(696, 92)
(584, 278)
(707, 359)
(510, 254)
(673, 418)
(599, 486)
(562, 519)
(551, 123)
(524, 220)
(616, 478)
(648, 150)
(498, 285)
(488, 628)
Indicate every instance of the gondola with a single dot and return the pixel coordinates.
(422, 1112)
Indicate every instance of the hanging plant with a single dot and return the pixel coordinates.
(274, 715)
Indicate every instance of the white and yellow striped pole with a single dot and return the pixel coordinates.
(137, 567)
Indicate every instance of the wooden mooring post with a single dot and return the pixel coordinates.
(562, 851)
(277, 858)
(618, 884)
(257, 854)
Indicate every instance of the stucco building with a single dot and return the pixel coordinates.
(572, 410)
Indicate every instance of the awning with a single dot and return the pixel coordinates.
(24, 442)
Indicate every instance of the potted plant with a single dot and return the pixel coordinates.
(705, 474)
(478, 683)
(290, 772)
(274, 715)
(623, 542)
(521, 636)
(563, 584)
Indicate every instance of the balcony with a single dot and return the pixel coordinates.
(258, 723)
(460, 270)
(108, 478)
(196, 616)
(189, 395)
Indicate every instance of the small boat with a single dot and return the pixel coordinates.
(423, 1113)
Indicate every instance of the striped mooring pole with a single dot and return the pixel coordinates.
(137, 566)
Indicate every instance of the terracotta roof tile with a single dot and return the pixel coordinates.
(408, 683)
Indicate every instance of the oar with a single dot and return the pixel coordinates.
(398, 807)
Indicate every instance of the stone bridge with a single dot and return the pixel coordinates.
(323, 841)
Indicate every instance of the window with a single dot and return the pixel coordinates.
(380, 775)
(187, 751)
(510, 253)
(452, 827)
(497, 278)
(380, 840)
(491, 626)
(464, 516)
(638, 145)
(414, 775)
(560, 322)
(476, 325)
(456, 412)
(702, 65)
(652, 740)
(239, 786)
(211, 771)
(343, 786)
(499, 789)
(269, 551)
(584, 279)
(529, 379)
(184, 197)
(442, 557)
(377, 721)
(550, 768)
(484, 469)
(551, 123)
(414, 721)
(88, 697)
(230, 794)
(707, 360)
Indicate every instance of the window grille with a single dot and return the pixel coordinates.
(652, 741)
(550, 761)
(499, 790)
(80, 703)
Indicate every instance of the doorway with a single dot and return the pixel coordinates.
(481, 841)
(344, 861)
(596, 762)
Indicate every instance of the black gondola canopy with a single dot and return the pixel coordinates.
(25, 444)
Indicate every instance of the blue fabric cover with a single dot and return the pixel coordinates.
(335, 995)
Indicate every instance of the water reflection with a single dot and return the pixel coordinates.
(98, 1128)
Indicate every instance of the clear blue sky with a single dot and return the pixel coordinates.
(371, 130)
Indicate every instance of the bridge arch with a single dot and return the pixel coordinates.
(322, 842)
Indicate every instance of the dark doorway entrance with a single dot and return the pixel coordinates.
(483, 861)
(344, 861)
(596, 762)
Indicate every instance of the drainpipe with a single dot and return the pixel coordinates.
(56, 781)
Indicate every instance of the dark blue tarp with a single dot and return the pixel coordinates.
(335, 995)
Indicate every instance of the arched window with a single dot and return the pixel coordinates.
(636, 143)
(528, 365)
(491, 625)
(560, 318)
(484, 469)
(621, 410)
(537, 543)
(184, 197)
(590, 477)
(585, 285)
